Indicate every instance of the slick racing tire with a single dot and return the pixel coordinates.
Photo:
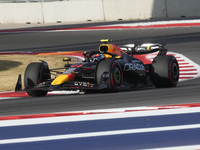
(35, 73)
(164, 71)
(114, 73)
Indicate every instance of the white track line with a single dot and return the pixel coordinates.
(189, 147)
(155, 23)
(97, 134)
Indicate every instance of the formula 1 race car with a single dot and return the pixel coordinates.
(110, 69)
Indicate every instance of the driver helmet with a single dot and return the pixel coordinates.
(98, 57)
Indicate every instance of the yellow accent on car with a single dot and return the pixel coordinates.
(62, 78)
(66, 59)
(106, 48)
(106, 40)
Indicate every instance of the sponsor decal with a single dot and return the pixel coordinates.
(133, 67)
(85, 84)
(68, 71)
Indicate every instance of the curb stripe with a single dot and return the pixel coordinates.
(188, 70)
(142, 25)
(111, 114)
(188, 73)
(186, 66)
(137, 27)
(106, 111)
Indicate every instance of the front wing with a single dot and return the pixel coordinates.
(69, 85)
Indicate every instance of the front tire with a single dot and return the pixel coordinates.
(113, 68)
(35, 73)
(164, 71)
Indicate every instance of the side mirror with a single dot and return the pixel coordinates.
(86, 55)
(67, 65)
(66, 59)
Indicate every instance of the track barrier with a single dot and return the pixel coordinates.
(96, 10)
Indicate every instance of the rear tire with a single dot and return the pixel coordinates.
(164, 71)
(35, 73)
(113, 68)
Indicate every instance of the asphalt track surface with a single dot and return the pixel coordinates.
(184, 40)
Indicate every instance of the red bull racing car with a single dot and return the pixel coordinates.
(110, 69)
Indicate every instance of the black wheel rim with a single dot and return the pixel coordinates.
(117, 76)
(175, 71)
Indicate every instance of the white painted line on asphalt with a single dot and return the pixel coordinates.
(4, 98)
(157, 23)
(102, 116)
(189, 147)
(97, 134)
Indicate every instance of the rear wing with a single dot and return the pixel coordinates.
(146, 48)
